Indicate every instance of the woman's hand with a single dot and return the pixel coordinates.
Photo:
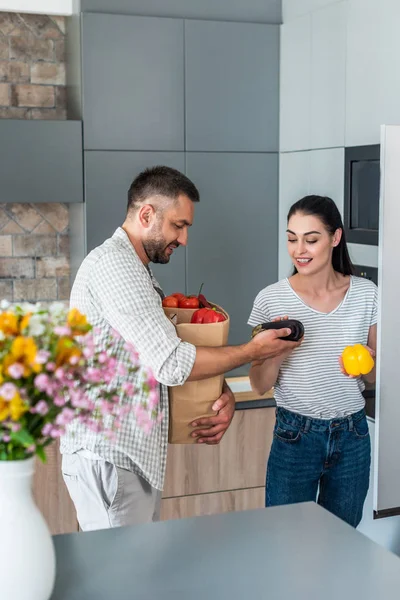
(343, 370)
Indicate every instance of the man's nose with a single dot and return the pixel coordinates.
(183, 238)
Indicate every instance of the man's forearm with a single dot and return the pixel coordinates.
(215, 361)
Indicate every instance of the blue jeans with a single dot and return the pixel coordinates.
(332, 456)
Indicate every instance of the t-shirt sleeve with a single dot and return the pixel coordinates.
(260, 312)
(374, 315)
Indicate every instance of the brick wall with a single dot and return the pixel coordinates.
(34, 243)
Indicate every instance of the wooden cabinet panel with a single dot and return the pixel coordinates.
(211, 504)
(51, 494)
(238, 462)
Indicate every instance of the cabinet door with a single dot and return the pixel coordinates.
(138, 105)
(233, 246)
(231, 88)
(108, 177)
(238, 462)
(41, 161)
(295, 85)
(328, 76)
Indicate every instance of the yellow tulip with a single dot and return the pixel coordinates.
(65, 350)
(23, 351)
(8, 323)
(17, 407)
(25, 322)
(77, 322)
(13, 409)
(4, 409)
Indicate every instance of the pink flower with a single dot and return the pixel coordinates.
(60, 374)
(41, 408)
(42, 382)
(15, 427)
(59, 400)
(62, 330)
(153, 400)
(128, 388)
(56, 432)
(121, 370)
(31, 449)
(65, 417)
(102, 358)
(74, 360)
(6, 438)
(46, 431)
(115, 334)
(151, 380)
(50, 367)
(42, 356)
(16, 370)
(8, 391)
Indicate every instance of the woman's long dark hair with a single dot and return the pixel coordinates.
(326, 210)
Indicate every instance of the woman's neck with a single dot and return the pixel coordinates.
(319, 283)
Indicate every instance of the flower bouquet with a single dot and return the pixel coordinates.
(51, 373)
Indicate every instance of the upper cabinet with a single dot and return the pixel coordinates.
(108, 176)
(313, 76)
(373, 82)
(139, 105)
(295, 85)
(41, 161)
(252, 11)
(231, 86)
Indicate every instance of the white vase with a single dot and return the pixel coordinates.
(27, 558)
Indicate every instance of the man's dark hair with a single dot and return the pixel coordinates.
(162, 181)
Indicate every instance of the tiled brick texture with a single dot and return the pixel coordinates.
(34, 252)
(32, 67)
(34, 242)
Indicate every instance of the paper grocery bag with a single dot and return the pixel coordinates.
(194, 399)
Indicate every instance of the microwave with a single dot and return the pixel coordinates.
(361, 194)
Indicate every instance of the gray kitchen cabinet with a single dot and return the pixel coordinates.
(139, 105)
(229, 10)
(233, 245)
(107, 180)
(41, 161)
(231, 86)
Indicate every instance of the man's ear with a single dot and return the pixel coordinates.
(146, 215)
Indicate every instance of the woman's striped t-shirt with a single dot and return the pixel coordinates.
(310, 381)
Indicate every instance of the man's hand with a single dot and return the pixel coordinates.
(218, 424)
(269, 344)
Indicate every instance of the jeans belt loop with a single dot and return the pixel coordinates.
(351, 424)
(307, 425)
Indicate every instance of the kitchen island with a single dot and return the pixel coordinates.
(299, 551)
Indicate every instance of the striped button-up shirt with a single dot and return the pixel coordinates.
(115, 290)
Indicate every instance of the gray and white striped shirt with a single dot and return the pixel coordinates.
(309, 380)
(115, 290)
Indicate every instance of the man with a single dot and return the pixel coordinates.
(119, 482)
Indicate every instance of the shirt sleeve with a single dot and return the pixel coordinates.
(133, 308)
(259, 313)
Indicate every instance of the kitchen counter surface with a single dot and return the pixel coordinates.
(299, 551)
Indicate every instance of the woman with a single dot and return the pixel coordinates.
(321, 442)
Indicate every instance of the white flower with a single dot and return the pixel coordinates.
(57, 309)
(27, 307)
(2, 336)
(4, 304)
(36, 326)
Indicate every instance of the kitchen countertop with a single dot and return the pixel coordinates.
(299, 551)
(247, 399)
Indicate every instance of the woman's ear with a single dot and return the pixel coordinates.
(337, 236)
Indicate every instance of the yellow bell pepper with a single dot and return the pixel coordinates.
(357, 360)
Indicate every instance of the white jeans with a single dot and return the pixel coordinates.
(107, 496)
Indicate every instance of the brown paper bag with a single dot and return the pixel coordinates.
(194, 399)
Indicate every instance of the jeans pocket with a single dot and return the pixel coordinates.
(111, 483)
(360, 428)
(287, 433)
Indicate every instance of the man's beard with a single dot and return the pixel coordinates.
(156, 250)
